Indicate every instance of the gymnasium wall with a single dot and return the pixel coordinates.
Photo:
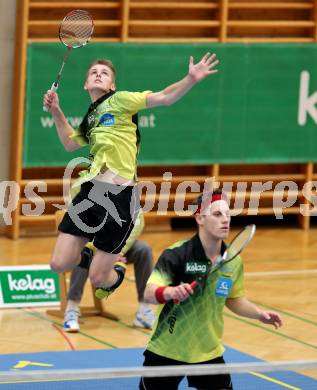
(7, 40)
(258, 109)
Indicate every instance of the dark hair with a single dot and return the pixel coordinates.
(103, 61)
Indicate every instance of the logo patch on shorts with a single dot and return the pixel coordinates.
(223, 287)
(107, 119)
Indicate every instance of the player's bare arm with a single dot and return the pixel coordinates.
(64, 129)
(196, 72)
(243, 307)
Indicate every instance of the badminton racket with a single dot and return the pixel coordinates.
(75, 31)
(236, 246)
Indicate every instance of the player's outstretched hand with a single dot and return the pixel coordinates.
(203, 68)
(272, 318)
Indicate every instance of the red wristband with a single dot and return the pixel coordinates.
(159, 294)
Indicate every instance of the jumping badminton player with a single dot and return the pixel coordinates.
(108, 198)
(191, 332)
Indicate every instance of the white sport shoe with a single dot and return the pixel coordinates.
(71, 323)
(144, 318)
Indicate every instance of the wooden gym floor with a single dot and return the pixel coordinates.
(281, 274)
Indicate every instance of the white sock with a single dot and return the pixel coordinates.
(72, 305)
(143, 306)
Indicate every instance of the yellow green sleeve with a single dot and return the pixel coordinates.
(78, 137)
(238, 287)
(130, 101)
(159, 278)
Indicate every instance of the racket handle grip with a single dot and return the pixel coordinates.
(53, 88)
(192, 285)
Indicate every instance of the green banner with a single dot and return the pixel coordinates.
(28, 286)
(259, 108)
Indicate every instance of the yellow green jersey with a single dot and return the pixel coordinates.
(111, 133)
(191, 331)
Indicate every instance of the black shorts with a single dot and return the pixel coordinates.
(171, 383)
(104, 213)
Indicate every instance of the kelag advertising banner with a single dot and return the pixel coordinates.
(259, 108)
(28, 286)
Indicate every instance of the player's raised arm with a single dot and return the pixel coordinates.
(196, 72)
(64, 129)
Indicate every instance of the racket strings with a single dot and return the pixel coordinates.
(76, 29)
(240, 241)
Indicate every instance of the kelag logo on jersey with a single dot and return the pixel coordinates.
(107, 119)
(195, 268)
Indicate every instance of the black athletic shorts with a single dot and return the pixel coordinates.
(206, 382)
(104, 213)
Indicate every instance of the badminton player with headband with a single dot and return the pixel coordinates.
(107, 203)
(195, 274)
